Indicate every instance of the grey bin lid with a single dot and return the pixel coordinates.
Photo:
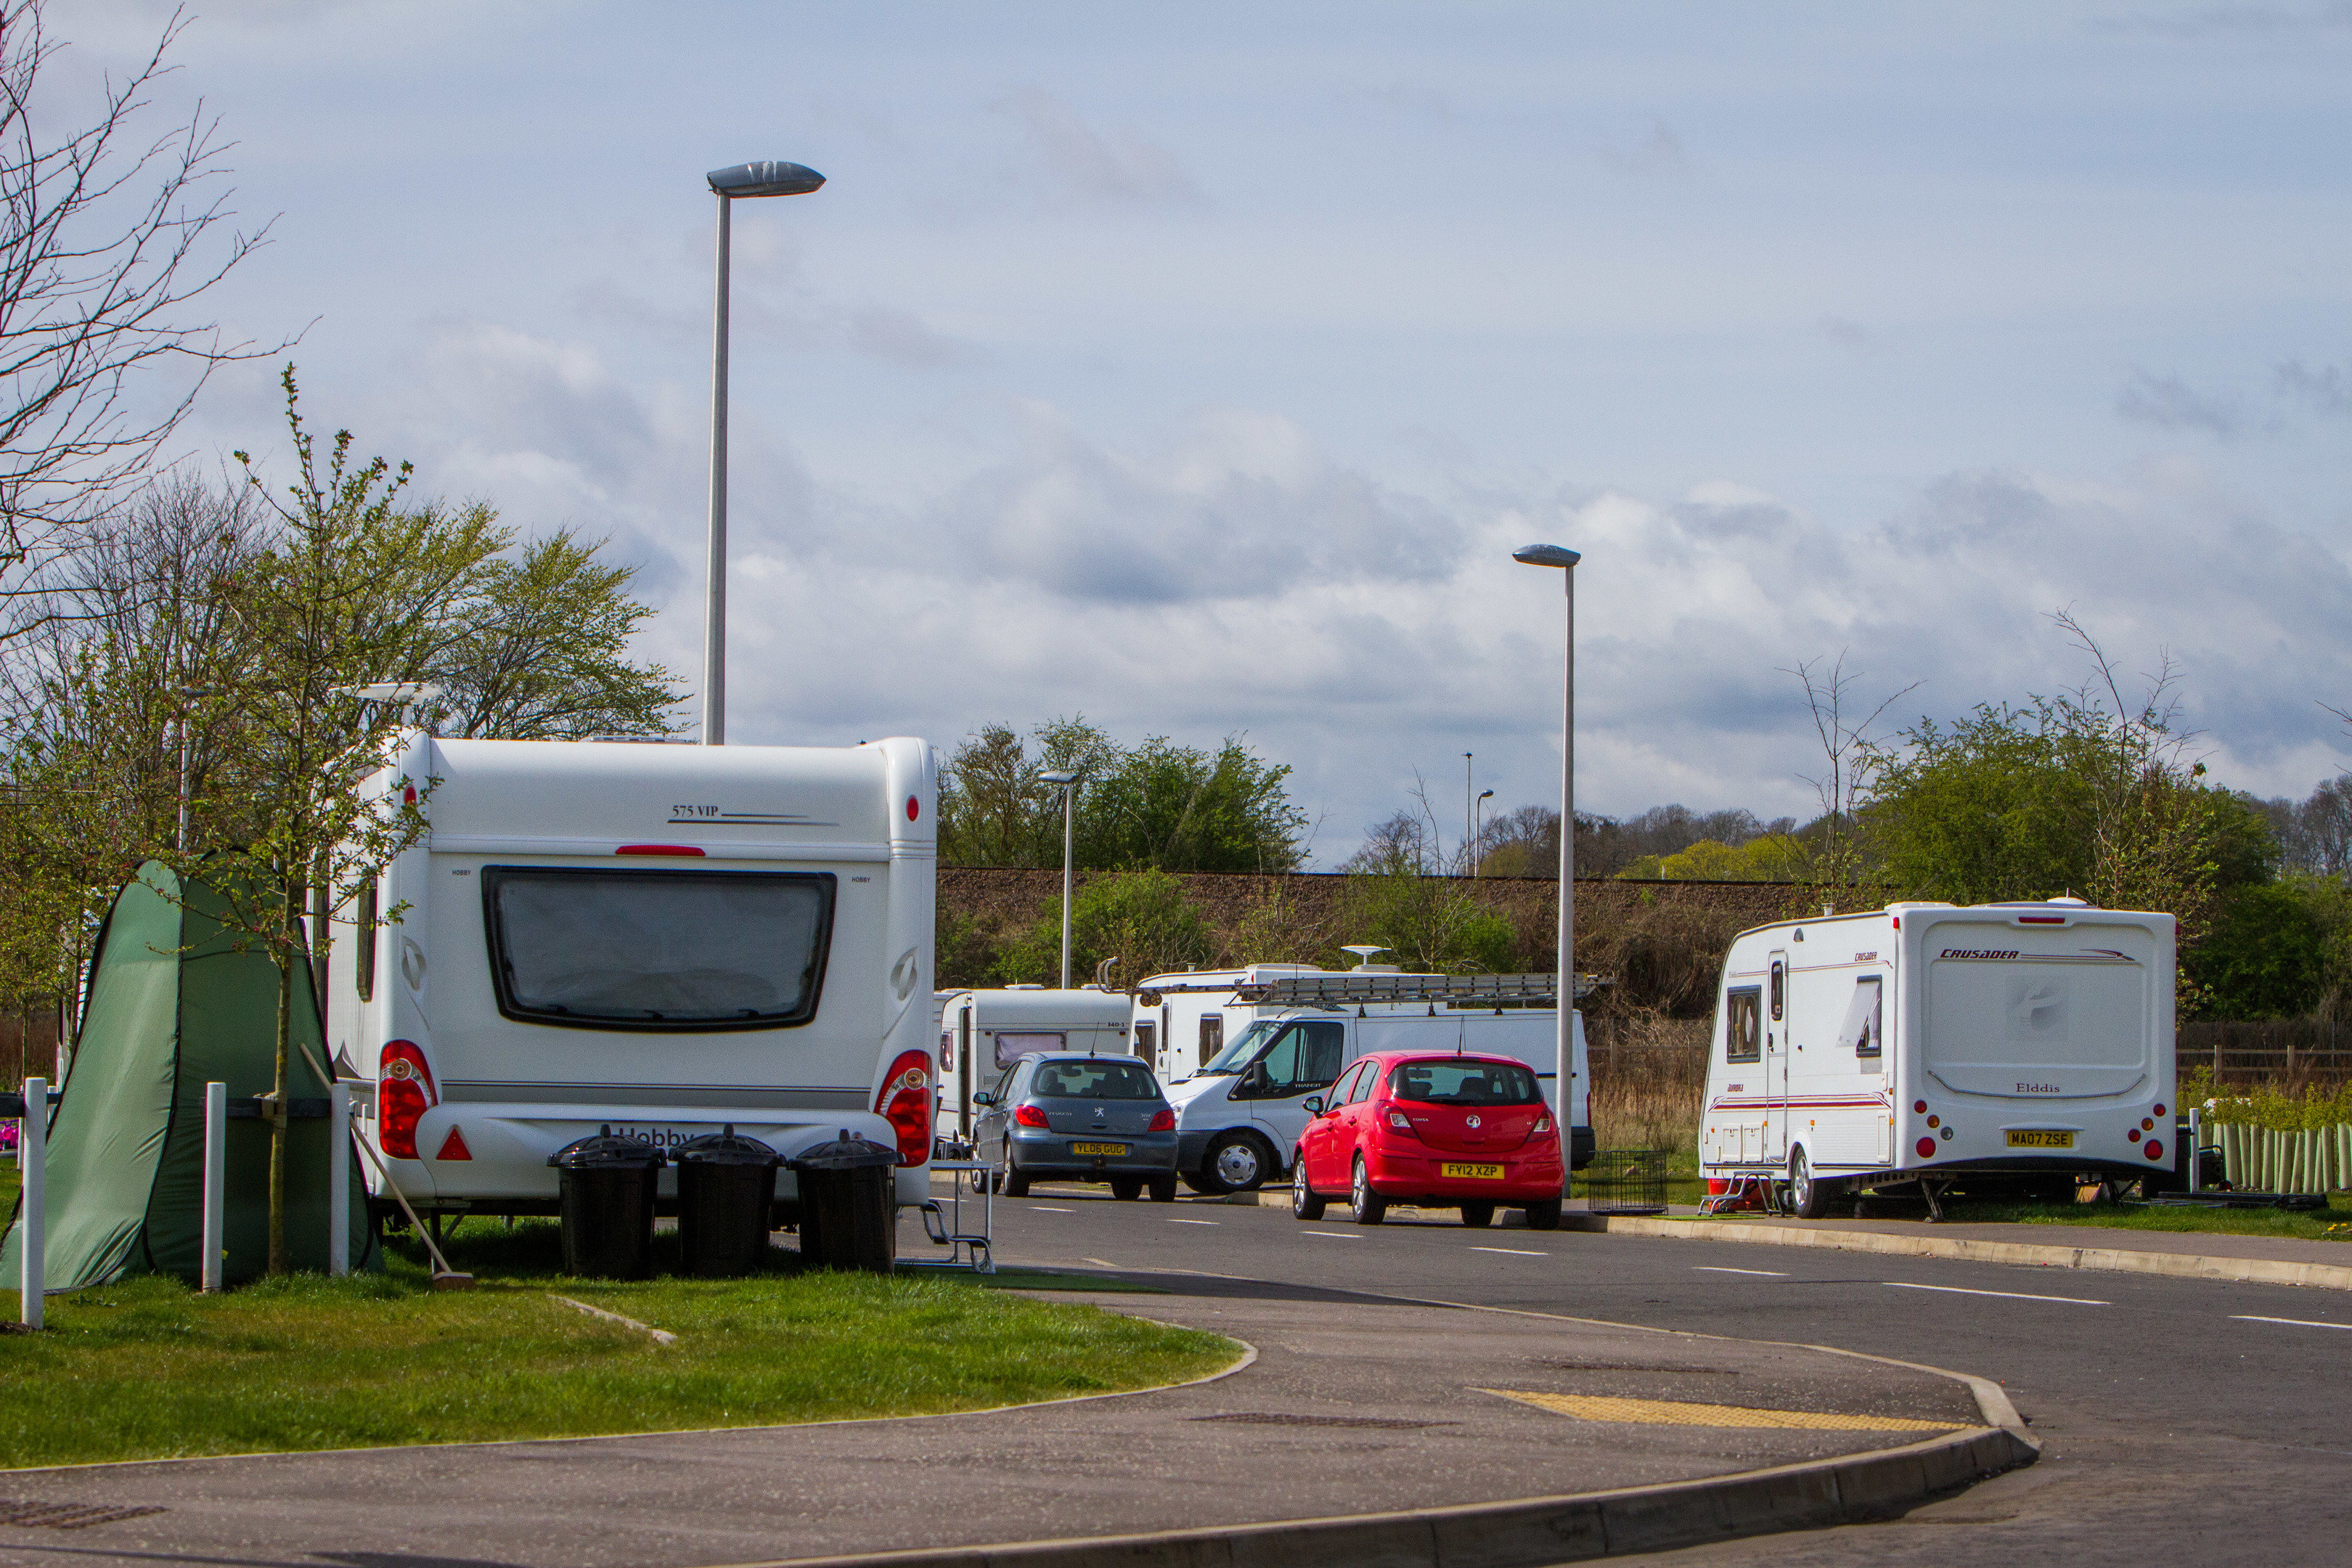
(847, 1152)
(606, 1152)
(724, 1149)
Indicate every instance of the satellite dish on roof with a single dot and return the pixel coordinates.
(1364, 955)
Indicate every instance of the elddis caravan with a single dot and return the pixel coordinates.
(1928, 1043)
(661, 940)
(984, 1032)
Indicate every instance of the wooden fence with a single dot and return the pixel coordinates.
(2287, 1050)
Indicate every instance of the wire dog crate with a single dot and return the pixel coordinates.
(1626, 1181)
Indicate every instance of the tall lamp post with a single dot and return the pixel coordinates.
(744, 180)
(1067, 783)
(1477, 828)
(1566, 560)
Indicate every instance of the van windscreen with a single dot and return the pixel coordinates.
(661, 950)
(1448, 1080)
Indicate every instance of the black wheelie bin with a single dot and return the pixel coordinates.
(846, 1219)
(726, 1189)
(608, 1186)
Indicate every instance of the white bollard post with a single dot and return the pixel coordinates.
(208, 1265)
(33, 1147)
(339, 1179)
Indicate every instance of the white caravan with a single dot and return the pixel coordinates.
(662, 940)
(1926, 1042)
(984, 1032)
(1246, 1048)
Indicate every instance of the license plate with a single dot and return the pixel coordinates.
(1097, 1148)
(1473, 1173)
(2039, 1138)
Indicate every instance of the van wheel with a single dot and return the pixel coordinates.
(1013, 1183)
(1126, 1189)
(1236, 1161)
(1365, 1207)
(1478, 1215)
(1163, 1189)
(1303, 1204)
(1808, 1199)
(1544, 1215)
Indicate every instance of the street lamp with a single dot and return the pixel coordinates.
(742, 181)
(1476, 825)
(1067, 783)
(1565, 559)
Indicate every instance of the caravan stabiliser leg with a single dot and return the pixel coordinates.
(1933, 1192)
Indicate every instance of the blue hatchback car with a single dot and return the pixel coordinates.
(1071, 1117)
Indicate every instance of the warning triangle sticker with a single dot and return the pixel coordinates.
(452, 1147)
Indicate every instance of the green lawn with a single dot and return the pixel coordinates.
(147, 1368)
(2333, 1223)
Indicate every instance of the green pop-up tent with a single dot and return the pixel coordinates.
(174, 1005)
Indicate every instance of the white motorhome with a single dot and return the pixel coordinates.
(1244, 1049)
(1927, 1042)
(984, 1032)
(661, 940)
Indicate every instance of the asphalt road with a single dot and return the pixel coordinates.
(2176, 1415)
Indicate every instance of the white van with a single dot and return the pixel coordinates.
(1924, 1041)
(659, 938)
(984, 1032)
(1269, 1037)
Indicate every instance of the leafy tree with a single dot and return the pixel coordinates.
(1430, 924)
(2277, 949)
(1769, 858)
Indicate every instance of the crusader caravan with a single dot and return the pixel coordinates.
(1244, 1049)
(984, 1032)
(1932, 1044)
(661, 940)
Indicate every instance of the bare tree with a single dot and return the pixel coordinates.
(1847, 747)
(109, 231)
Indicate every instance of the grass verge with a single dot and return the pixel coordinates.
(148, 1369)
(2333, 1223)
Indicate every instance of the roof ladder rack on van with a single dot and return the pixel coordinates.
(1458, 990)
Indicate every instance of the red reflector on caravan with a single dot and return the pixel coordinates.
(2042, 919)
(658, 849)
(452, 1147)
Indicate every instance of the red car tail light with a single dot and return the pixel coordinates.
(905, 1103)
(1162, 1120)
(1542, 1126)
(1402, 1122)
(1030, 1116)
(404, 1093)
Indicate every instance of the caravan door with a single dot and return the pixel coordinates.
(1776, 1061)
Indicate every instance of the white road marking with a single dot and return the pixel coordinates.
(2005, 1295)
(1767, 1273)
(1043, 1208)
(1514, 1251)
(1196, 1222)
(2298, 1323)
(1099, 1262)
(1334, 1235)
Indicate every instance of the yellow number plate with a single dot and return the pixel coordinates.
(1097, 1148)
(1475, 1172)
(2039, 1138)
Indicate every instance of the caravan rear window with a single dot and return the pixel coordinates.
(661, 950)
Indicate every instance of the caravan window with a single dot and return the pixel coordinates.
(1212, 1034)
(364, 943)
(1742, 1028)
(1145, 1037)
(1862, 1018)
(657, 950)
(1011, 1048)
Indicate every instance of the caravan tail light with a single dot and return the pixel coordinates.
(1162, 1120)
(404, 1093)
(1030, 1116)
(2152, 1149)
(1927, 1148)
(905, 1103)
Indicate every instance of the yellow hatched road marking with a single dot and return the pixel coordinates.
(1681, 1413)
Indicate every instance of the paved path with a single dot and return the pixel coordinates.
(1353, 1406)
(2180, 1416)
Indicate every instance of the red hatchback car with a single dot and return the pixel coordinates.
(1464, 1131)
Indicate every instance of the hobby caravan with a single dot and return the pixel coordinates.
(658, 939)
(1928, 1043)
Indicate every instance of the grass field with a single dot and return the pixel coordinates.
(2333, 1223)
(147, 1368)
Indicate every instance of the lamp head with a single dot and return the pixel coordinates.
(768, 178)
(1546, 555)
(1059, 779)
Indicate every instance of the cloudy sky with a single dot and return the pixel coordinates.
(1197, 368)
